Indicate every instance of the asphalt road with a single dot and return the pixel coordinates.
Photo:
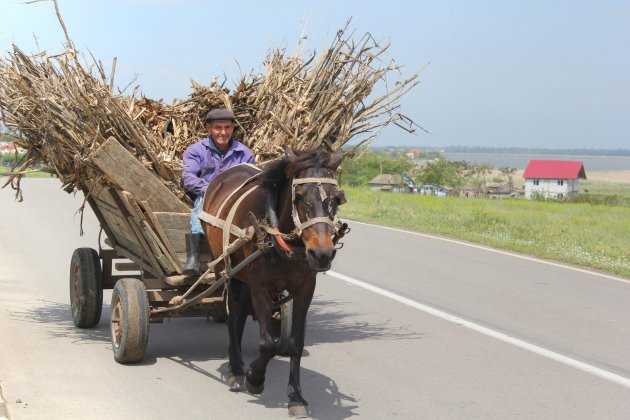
(415, 353)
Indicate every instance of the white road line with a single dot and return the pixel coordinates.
(604, 374)
(497, 251)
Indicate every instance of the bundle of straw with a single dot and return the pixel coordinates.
(63, 109)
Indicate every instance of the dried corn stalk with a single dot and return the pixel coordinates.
(63, 109)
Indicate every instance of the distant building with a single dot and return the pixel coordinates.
(387, 182)
(553, 178)
(6, 148)
(413, 153)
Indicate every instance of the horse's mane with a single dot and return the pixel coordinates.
(277, 172)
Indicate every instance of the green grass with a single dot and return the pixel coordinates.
(33, 174)
(596, 236)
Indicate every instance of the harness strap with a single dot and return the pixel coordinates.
(220, 223)
(314, 220)
(228, 224)
(237, 189)
(298, 181)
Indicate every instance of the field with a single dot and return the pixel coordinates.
(32, 174)
(584, 234)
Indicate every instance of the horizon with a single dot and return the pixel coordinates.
(506, 149)
(518, 74)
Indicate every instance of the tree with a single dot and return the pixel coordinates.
(360, 171)
(509, 174)
(444, 172)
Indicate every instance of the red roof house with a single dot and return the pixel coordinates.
(553, 178)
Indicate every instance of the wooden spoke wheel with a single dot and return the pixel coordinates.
(86, 288)
(130, 321)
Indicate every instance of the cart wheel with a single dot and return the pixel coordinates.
(86, 288)
(286, 320)
(130, 320)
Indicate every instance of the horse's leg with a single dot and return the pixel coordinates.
(236, 378)
(298, 407)
(255, 378)
(244, 309)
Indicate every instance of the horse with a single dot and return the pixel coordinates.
(296, 193)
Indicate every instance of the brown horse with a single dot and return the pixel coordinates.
(298, 194)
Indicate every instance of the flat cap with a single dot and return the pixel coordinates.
(220, 114)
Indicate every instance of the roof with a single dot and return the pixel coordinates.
(554, 169)
(386, 179)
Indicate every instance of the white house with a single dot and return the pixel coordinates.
(553, 178)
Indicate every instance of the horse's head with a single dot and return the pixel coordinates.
(315, 197)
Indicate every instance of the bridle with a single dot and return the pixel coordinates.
(331, 220)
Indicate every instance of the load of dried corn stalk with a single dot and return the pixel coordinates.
(64, 109)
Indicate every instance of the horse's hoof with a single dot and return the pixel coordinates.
(236, 383)
(254, 389)
(298, 411)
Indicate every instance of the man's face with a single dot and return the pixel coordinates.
(221, 132)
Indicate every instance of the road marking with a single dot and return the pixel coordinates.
(604, 374)
(497, 251)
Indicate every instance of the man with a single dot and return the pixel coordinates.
(203, 161)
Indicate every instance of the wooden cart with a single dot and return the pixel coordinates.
(146, 224)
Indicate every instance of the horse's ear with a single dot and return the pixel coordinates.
(335, 159)
(289, 153)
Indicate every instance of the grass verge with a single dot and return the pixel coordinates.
(32, 174)
(596, 236)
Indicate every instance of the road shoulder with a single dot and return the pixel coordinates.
(3, 408)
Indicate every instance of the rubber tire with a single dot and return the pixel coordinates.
(130, 321)
(286, 321)
(86, 288)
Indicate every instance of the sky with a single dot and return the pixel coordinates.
(501, 73)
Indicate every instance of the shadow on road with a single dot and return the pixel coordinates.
(325, 399)
(192, 341)
(331, 322)
(58, 319)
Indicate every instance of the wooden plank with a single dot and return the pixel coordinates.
(98, 214)
(145, 234)
(184, 279)
(146, 256)
(121, 234)
(125, 171)
(126, 266)
(176, 226)
(170, 251)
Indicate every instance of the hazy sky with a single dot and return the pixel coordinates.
(531, 73)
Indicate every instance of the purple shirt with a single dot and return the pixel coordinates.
(203, 161)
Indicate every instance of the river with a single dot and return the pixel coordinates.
(519, 161)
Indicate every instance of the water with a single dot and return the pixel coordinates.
(591, 163)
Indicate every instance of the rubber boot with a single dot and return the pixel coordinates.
(192, 252)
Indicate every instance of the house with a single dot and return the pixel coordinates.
(413, 153)
(387, 182)
(498, 189)
(7, 148)
(553, 178)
